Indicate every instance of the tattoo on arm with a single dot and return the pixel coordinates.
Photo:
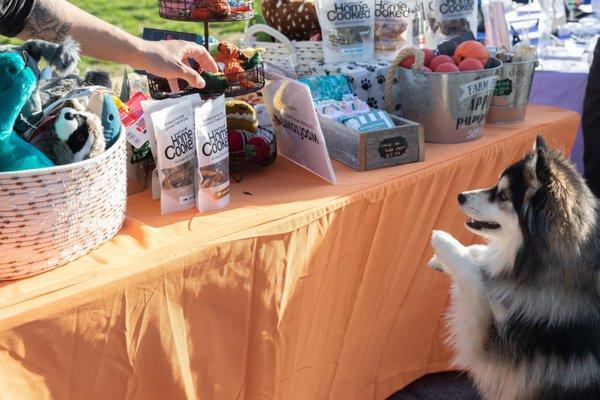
(48, 21)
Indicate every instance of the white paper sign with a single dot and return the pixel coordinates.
(299, 135)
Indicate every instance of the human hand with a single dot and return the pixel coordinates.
(169, 59)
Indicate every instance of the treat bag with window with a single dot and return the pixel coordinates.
(451, 18)
(393, 26)
(176, 151)
(151, 106)
(212, 146)
(347, 28)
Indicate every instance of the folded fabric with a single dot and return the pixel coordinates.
(333, 87)
(366, 78)
(337, 108)
(367, 121)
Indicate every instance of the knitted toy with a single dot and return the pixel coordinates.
(72, 136)
(241, 115)
(251, 147)
(296, 19)
(233, 59)
(18, 83)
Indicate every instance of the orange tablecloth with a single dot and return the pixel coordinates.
(298, 290)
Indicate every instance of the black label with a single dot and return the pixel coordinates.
(393, 147)
(503, 88)
(139, 155)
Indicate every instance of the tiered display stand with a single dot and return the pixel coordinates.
(205, 12)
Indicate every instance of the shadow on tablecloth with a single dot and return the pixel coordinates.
(442, 386)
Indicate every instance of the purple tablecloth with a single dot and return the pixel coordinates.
(565, 90)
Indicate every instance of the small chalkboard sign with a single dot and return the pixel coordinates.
(363, 151)
(503, 87)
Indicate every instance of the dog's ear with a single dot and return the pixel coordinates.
(542, 166)
(540, 144)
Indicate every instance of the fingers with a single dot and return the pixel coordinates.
(192, 77)
(202, 57)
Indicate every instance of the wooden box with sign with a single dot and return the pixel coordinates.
(364, 151)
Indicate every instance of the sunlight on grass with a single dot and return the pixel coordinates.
(133, 15)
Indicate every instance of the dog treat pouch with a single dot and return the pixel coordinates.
(212, 146)
(452, 18)
(347, 28)
(176, 151)
(393, 26)
(151, 106)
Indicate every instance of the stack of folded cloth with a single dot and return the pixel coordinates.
(333, 98)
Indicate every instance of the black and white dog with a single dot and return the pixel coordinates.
(525, 313)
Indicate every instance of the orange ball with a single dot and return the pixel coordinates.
(471, 49)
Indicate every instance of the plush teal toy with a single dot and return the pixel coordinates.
(17, 83)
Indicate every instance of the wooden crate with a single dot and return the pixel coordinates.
(363, 151)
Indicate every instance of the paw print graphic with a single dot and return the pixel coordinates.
(350, 79)
(365, 84)
(380, 79)
(398, 107)
(395, 81)
(372, 102)
(370, 68)
(350, 67)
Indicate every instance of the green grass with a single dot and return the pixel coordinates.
(133, 15)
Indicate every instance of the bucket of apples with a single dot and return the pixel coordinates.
(449, 95)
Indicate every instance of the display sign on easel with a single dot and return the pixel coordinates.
(299, 135)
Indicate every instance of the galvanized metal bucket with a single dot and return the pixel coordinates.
(512, 92)
(452, 107)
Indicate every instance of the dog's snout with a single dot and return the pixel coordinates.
(462, 198)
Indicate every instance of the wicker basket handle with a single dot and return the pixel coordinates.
(391, 74)
(280, 37)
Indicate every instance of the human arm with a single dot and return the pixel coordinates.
(53, 20)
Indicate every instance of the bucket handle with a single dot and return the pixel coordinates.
(262, 28)
(541, 84)
(391, 73)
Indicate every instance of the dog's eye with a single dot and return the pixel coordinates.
(502, 196)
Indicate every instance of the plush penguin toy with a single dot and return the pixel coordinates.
(73, 136)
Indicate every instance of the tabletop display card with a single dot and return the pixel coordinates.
(299, 135)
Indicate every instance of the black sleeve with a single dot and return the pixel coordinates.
(13, 15)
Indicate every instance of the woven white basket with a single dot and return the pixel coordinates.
(302, 53)
(51, 216)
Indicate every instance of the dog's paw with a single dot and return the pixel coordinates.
(441, 240)
(436, 264)
(448, 250)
